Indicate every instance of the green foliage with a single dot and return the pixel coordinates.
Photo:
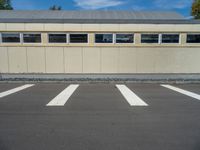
(5, 5)
(196, 9)
(55, 7)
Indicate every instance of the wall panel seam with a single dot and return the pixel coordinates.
(118, 60)
(101, 65)
(27, 67)
(82, 59)
(63, 60)
(8, 59)
(45, 58)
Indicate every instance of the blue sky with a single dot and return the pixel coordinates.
(181, 6)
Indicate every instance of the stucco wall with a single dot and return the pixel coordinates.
(99, 27)
(91, 29)
(99, 60)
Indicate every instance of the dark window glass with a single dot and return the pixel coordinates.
(10, 38)
(149, 38)
(103, 38)
(124, 38)
(170, 38)
(57, 38)
(78, 38)
(193, 38)
(32, 38)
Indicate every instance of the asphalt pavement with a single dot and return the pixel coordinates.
(99, 117)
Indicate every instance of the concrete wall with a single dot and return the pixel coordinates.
(100, 27)
(137, 29)
(99, 60)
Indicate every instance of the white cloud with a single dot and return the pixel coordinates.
(174, 4)
(189, 17)
(97, 4)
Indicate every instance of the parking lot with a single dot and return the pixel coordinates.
(61, 116)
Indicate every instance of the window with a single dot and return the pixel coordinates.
(124, 38)
(193, 38)
(170, 38)
(32, 38)
(57, 38)
(10, 37)
(78, 38)
(103, 38)
(150, 38)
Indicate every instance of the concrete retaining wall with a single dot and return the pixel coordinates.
(100, 60)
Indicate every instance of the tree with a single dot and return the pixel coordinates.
(55, 7)
(196, 9)
(5, 5)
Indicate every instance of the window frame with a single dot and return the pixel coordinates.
(191, 34)
(179, 36)
(1, 38)
(113, 38)
(159, 38)
(66, 34)
(124, 43)
(69, 41)
(32, 33)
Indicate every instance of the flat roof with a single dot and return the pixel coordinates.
(93, 16)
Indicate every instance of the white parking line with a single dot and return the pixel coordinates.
(131, 97)
(9, 92)
(62, 98)
(188, 93)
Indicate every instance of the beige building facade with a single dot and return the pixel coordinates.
(91, 57)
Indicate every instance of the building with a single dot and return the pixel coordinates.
(98, 43)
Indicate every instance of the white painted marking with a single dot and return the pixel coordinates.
(131, 97)
(188, 93)
(63, 97)
(15, 90)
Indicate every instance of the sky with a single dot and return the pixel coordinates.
(181, 6)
